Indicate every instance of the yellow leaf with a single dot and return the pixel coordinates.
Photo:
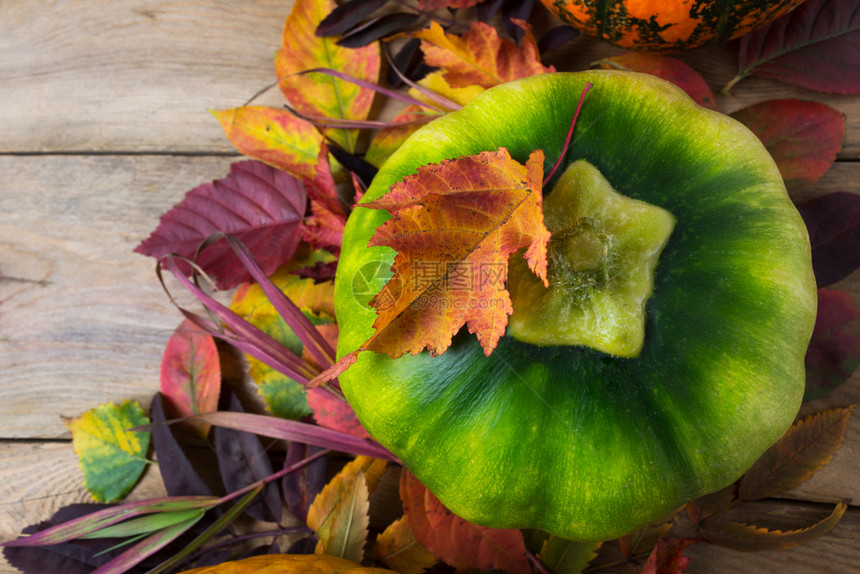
(111, 458)
(339, 514)
(397, 548)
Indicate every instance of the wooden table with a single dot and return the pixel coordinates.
(104, 126)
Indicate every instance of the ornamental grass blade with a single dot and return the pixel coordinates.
(807, 446)
(339, 514)
(111, 458)
(190, 373)
(145, 524)
(815, 46)
(324, 96)
(274, 136)
(147, 547)
(223, 522)
(833, 222)
(834, 351)
(455, 541)
(671, 69)
(296, 431)
(398, 550)
(802, 137)
(109, 516)
(747, 538)
(260, 205)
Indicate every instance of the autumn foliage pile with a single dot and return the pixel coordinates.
(283, 212)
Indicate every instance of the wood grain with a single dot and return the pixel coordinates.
(105, 127)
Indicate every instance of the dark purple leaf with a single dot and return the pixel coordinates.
(347, 16)
(815, 46)
(516, 9)
(304, 546)
(178, 473)
(487, 10)
(242, 461)
(833, 222)
(834, 351)
(377, 29)
(409, 60)
(302, 486)
(556, 37)
(365, 171)
(260, 205)
(320, 272)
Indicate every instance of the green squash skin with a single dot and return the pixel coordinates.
(567, 439)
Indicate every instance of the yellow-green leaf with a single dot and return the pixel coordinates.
(111, 458)
(397, 549)
(339, 514)
(319, 95)
(273, 136)
(566, 556)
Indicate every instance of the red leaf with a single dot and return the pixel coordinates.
(806, 447)
(191, 374)
(259, 205)
(437, 4)
(668, 556)
(672, 69)
(834, 351)
(833, 222)
(329, 407)
(815, 46)
(324, 229)
(455, 541)
(803, 137)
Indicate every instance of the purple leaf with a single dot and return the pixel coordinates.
(320, 272)
(556, 38)
(260, 205)
(834, 351)
(516, 9)
(347, 16)
(833, 222)
(815, 46)
(377, 29)
(243, 461)
(179, 475)
(302, 486)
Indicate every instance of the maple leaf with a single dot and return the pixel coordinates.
(480, 57)
(454, 226)
(319, 95)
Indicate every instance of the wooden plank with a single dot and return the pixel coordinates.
(131, 75)
(139, 75)
(84, 319)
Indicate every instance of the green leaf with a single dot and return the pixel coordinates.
(806, 447)
(749, 538)
(566, 556)
(111, 458)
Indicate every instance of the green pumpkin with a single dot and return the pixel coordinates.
(590, 440)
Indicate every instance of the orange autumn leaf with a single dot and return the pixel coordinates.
(318, 95)
(273, 136)
(480, 57)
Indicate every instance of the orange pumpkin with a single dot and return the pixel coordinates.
(668, 25)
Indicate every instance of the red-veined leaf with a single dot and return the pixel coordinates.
(834, 351)
(833, 222)
(456, 541)
(815, 46)
(261, 206)
(672, 69)
(803, 137)
(274, 136)
(319, 95)
(745, 537)
(807, 446)
(190, 373)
